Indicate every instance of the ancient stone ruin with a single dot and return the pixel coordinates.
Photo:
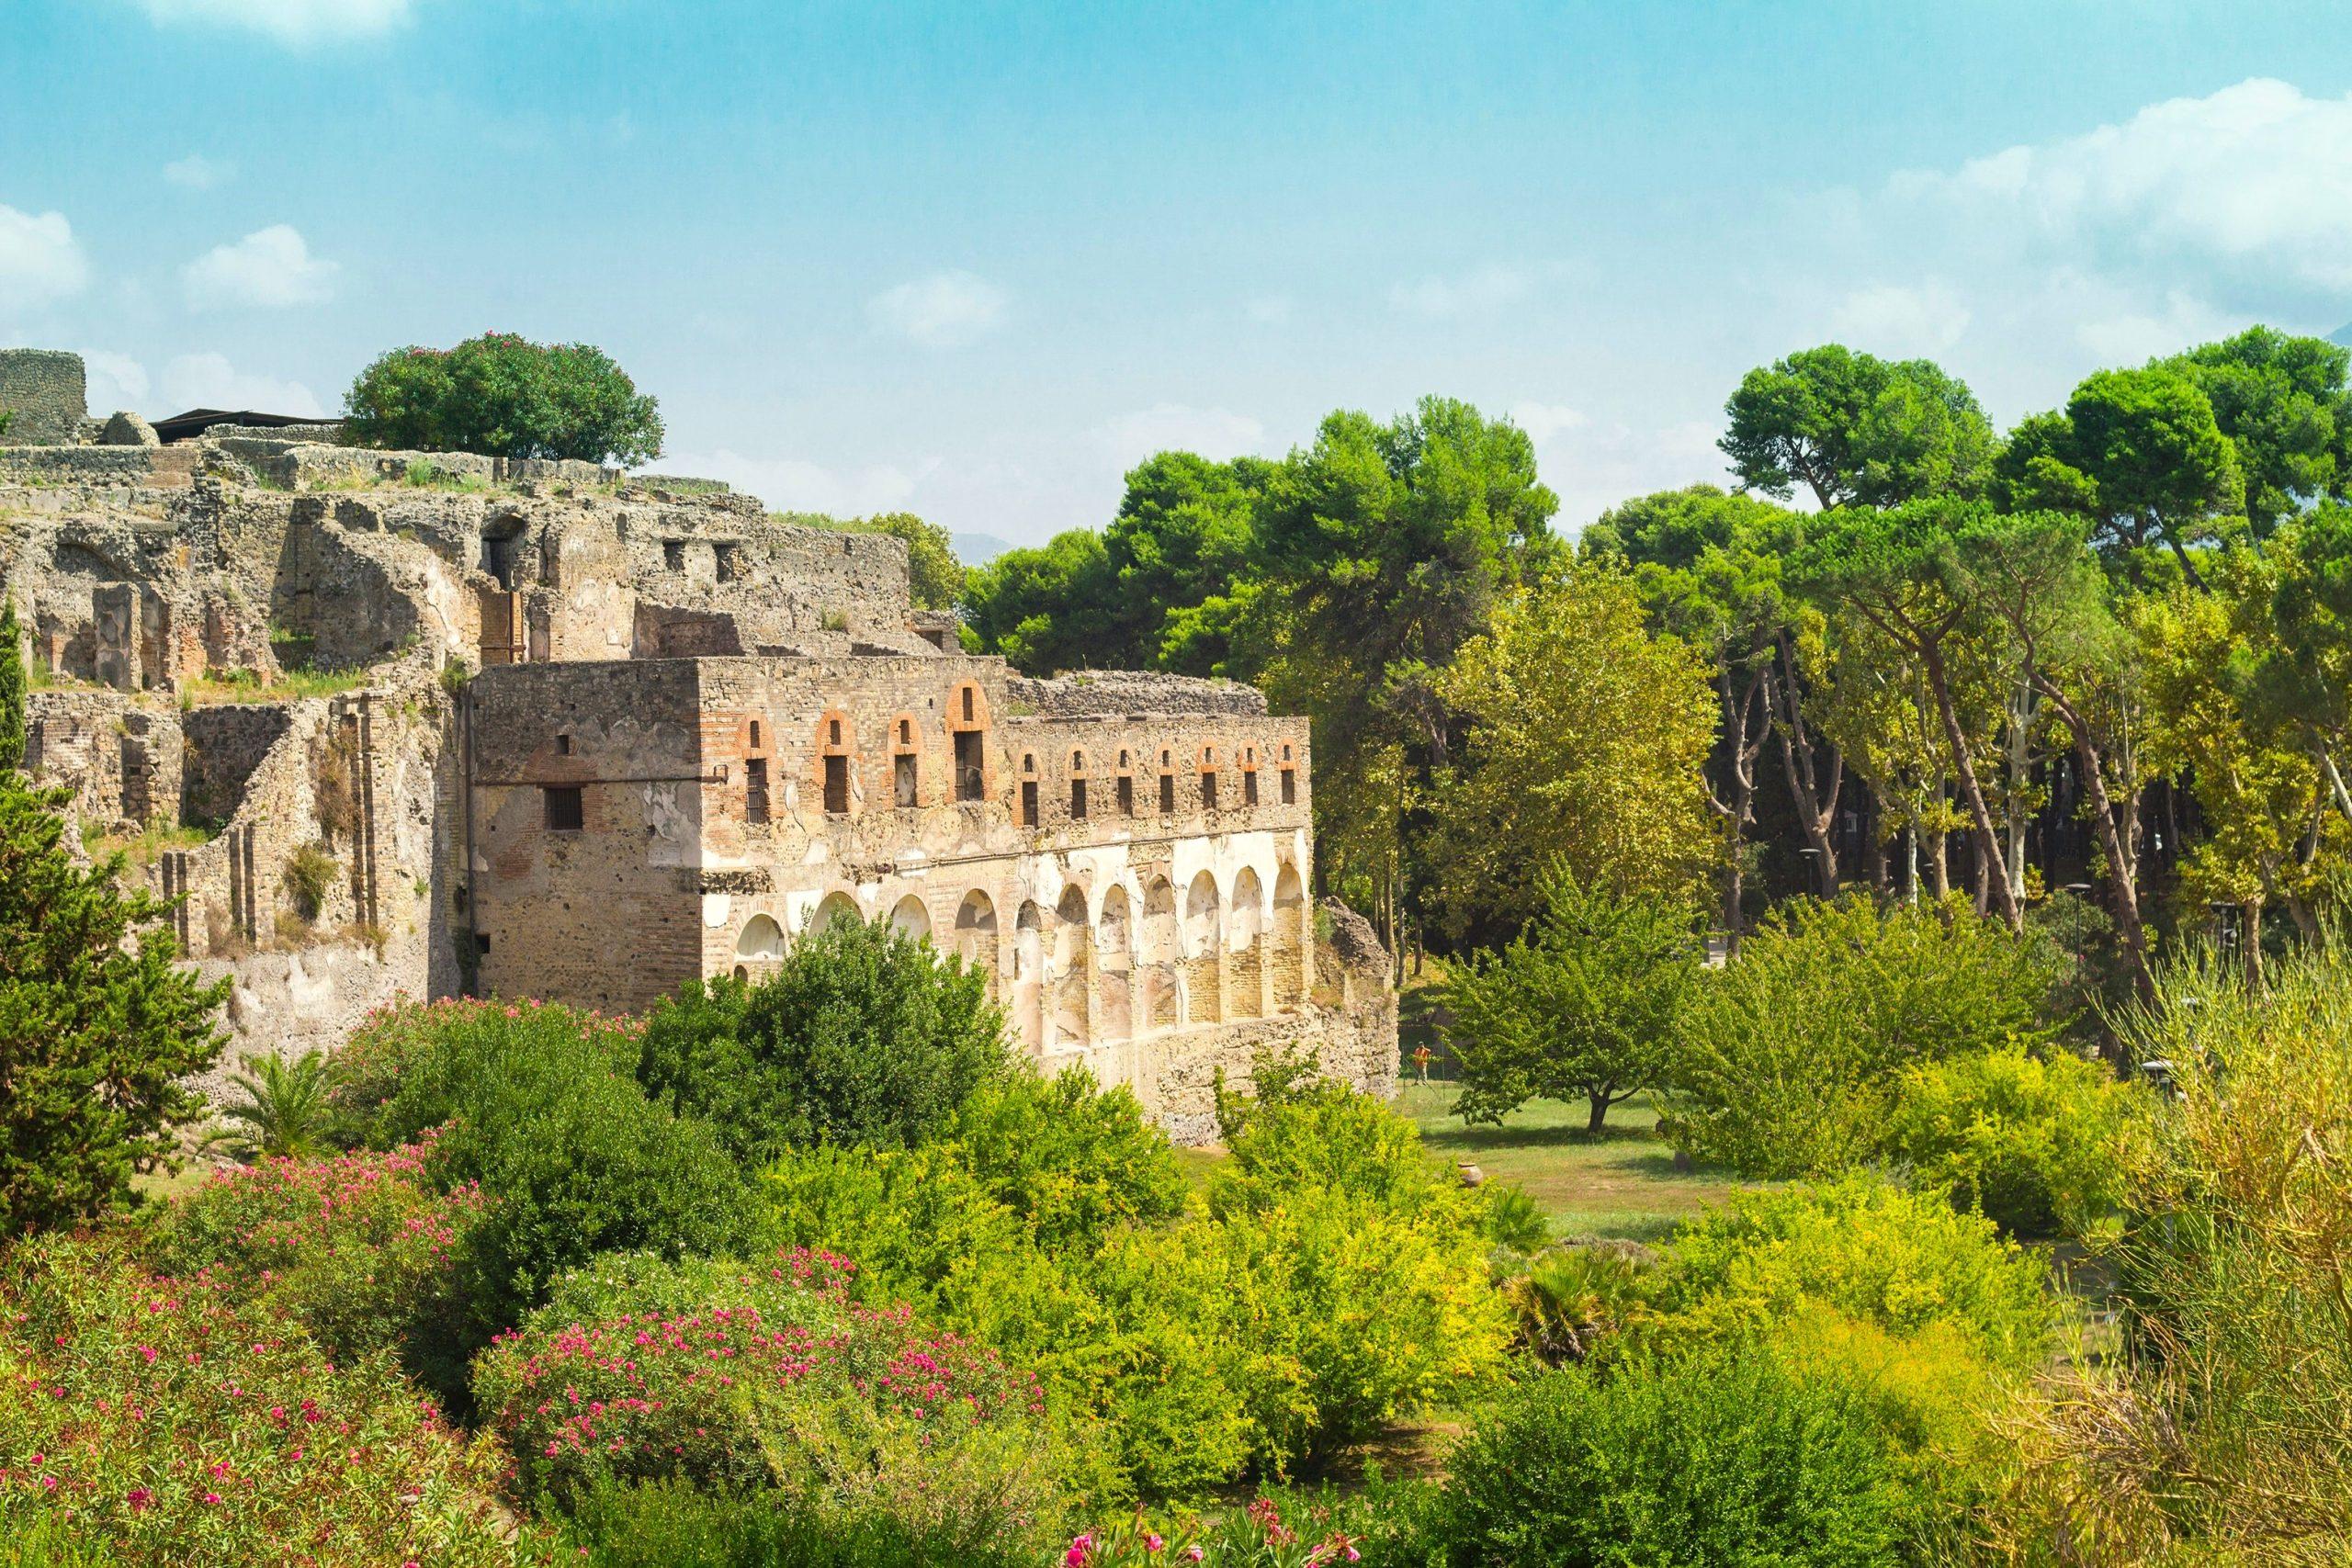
(393, 723)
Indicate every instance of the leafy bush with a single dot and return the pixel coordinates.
(1509, 1218)
(1381, 1524)
(1789, 1057)
(542, 1114)
(1352, 1316)
(1572, 1301)
(1071, 1159)
(2032, 1144)
(358, 1249)
(181, 1431)
(505, 397)
(861, 1036)
(1863, 1247)
(843, 1405)
(671, 1525)
(1343, 1285)
(1329, 1136)
(1725, 1461)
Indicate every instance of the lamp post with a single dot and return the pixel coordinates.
(2081, 890)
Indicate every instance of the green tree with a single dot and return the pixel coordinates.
(1047, 609)
(98, 1025)
(2140, 454)
(2282, 401)
(1709, 568)
(1582, 1005)
(1855, 429)
(1899, 572)
(1585, 738)
(1383, 549)
(1184, 541)
(12, 688)
(861, 1036)
(502, 395)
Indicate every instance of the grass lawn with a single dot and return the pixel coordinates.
(1621, 1184)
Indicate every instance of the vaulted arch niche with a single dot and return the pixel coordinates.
(1072, 971)
(975, 935)
(1156, 954)
(1245, 966)
(910, 919)
(1114, 969)
(1289, 939)
(1203, 962)
(1029, 974)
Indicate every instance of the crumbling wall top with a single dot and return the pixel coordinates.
(1134, 692)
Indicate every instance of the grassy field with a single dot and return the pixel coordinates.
(1622, 1183)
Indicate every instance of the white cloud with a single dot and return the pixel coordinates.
(946, 310)
(296, 22)
(2250, 186)
(116, 381)
(1594, 464)
(210, 381)
(1903, 322)
(197, 172)
(792, 484)
(269, 269)
(40, 261)
(1220, 433)
(1486, 289)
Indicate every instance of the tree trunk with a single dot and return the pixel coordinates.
(2122, 865)
(1988, 845)
(1596, 1112)
(1814, 795)
(2251, 958)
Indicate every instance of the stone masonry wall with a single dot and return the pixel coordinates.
(45, 394)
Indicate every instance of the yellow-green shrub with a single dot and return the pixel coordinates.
(2033, 1144)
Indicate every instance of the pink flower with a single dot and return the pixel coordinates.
(213, 1497)
(138, 1498)
(1193, 1553)
(1151, 1541)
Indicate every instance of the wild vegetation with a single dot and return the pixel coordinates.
(1950, 876)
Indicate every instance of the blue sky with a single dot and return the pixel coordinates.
(975, 260)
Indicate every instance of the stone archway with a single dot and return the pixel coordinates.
(1291, 935)
(1245, 964)
(1072, 971)
(1029, 975)
(1204, 928)
(1157, 952)
(910, 919)
(1114, 969)
(975, 936)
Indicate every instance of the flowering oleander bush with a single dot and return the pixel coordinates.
(358, 1247)
(157, 1422)
(807, 1392)
(1380, 1527)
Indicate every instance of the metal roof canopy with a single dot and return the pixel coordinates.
(196, 422)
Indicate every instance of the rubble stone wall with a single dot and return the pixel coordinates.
(46, 395)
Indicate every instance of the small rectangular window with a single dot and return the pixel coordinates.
(1168, 795)
(565, 812)
(755, 790)
(971, 779)
(1078, 800)
(1126, 796)
(1208, 792)
(1249, 789)
(1290, 786)
(563, 745)
(673, 554)
(837, 786)
(902, 778)
(1029, 803)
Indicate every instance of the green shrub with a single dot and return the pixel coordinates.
(671, 1525)
(861, 1036)
(1788, 1060)
(1573, 1302)
(1353, 1315)
(616, 1284)
(182, 1430)
(1725, 1461)
(1070, 1158)
(845, 1408)
(1863, 1247)
(309, 876)
(543, 1114)
(1329, 1136)
(358, 1248)
(2033, 1144)
(1509, 1218)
